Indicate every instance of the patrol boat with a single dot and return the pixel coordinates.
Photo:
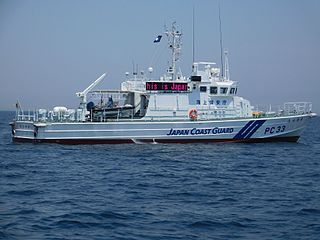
(204, 107)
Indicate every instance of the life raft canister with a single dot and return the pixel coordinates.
(193, 114)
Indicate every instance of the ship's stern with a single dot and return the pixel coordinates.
(23, 131)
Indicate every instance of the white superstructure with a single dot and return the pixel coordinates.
(204, 107)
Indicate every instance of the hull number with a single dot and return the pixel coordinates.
(277, 129)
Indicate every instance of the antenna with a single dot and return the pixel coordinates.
(226, 64)
(221, 46)
(193, 34)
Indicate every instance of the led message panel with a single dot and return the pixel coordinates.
(167, 86)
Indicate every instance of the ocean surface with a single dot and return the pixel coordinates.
(159, 191)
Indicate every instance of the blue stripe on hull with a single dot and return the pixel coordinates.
(249, 129)
(240, 133)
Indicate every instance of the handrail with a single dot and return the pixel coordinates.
(73, 115)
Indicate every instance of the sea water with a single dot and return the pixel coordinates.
(159, 191)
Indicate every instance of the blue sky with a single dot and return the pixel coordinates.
(51, 49)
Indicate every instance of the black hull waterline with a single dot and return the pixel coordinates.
(153, 141)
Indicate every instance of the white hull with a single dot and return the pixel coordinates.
(286, 128)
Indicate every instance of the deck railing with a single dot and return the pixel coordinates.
(287, 109)
(297, 108)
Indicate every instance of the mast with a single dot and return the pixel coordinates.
(174, 41)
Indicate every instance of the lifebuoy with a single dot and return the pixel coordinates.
(193, 114)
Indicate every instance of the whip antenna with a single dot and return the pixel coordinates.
(221, 46)
(193, 34)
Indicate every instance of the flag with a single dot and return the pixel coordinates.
(157, 39)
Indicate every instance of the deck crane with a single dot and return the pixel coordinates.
(83, 96)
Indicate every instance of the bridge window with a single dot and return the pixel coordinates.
(224, 102)
(232, 90)
(223, 90)
(211, 102)
(203, 88)
(218, 102)
(198, 102)
(213, 90)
